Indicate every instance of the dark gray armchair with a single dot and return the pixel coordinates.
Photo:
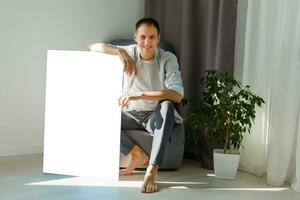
(175, 148)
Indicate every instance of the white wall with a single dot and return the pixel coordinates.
(27, 29)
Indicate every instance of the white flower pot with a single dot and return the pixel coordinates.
(226, 165)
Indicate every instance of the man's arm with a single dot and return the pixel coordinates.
(105, 48)
(165, 94)
(129, 65)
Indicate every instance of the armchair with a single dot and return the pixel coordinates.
(174, 150)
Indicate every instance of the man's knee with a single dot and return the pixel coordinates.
(165, 110)
(168, 105)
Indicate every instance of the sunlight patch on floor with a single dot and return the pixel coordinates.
(249, 189)
(81, 181)
(92, 182)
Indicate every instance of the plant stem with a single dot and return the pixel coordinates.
(226, 140)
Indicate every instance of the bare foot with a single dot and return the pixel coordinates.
(138, 158)
(149, 185)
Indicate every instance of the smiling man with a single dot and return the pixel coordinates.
(152, 83)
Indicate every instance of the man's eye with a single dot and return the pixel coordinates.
(143, 37)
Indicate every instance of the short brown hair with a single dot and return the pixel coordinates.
(148, 21)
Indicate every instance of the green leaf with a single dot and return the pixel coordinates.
(225, 106)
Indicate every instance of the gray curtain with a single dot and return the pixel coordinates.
(202, 33)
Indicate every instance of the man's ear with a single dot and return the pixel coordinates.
(134, 37)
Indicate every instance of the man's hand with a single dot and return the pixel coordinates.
(129, 65)
(125, 98)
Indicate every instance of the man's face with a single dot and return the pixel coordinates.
(147, 39)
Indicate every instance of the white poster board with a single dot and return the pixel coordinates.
(82, 117)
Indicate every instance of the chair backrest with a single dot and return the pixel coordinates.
(124, 42)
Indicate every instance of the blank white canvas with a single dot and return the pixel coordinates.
(82, 117)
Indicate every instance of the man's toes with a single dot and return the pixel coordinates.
(148, 190)
(155, 188)
(124, 172)
(143, 189)
(151, 189)
(149, 185)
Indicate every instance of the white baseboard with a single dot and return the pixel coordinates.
(21, 151)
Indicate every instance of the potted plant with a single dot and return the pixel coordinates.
(226, 110)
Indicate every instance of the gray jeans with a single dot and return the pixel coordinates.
(158, 123)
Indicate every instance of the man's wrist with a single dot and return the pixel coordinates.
(136, 96)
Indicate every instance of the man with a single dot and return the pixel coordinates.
(152, 82)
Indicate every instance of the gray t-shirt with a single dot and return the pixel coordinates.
(145, 81)
(159, 73)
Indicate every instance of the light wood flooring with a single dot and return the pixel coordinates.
(21, 178)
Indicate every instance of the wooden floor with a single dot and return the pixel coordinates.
(21, 178)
